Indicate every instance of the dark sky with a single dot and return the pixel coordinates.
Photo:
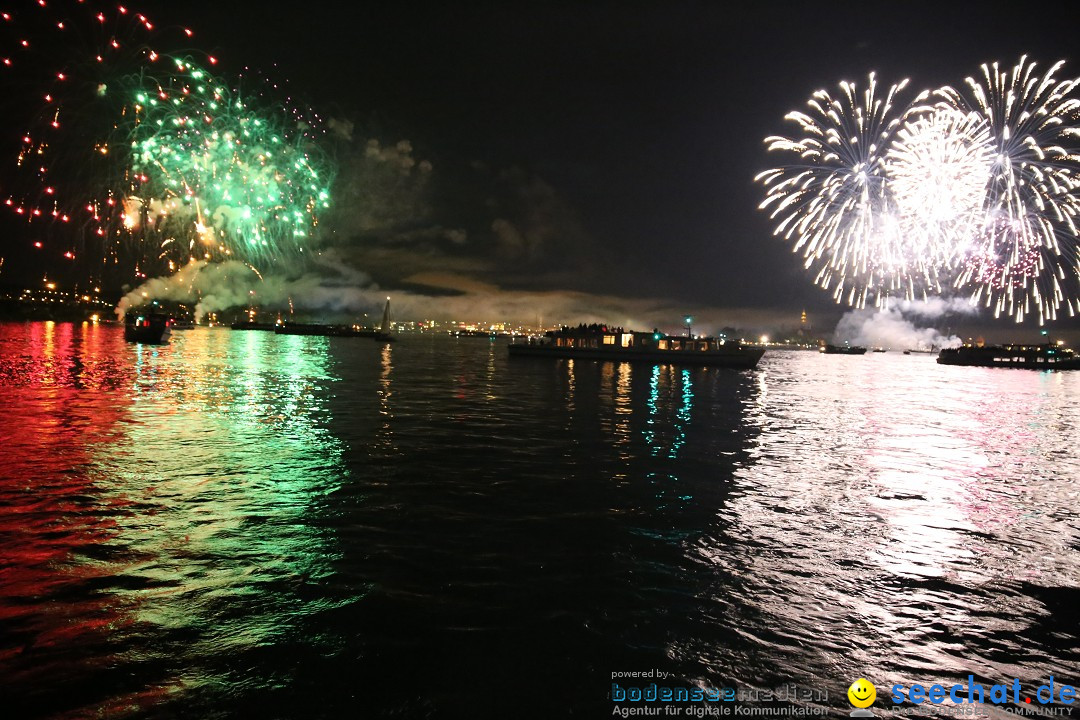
(619, 139)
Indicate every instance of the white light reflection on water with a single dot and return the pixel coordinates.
(251, 522)
(894, 514)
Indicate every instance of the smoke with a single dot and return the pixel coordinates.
(894, 326)
(380, 190)
(331, 289)
(341, 128)
(214, 287)
(534, 223)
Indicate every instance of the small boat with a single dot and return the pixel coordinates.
(148, 328)
(879, 350)
(1028, 357)
(618, 345)
(843, 350)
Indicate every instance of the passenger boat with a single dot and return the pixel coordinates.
(148, 328)
(618, 345)
(1029, 357)
(843, 350)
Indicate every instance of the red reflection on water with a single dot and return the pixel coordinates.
(63, 403)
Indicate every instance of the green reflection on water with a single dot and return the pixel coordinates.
(223, 464)
(671, 393)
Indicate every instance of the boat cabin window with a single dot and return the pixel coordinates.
(627, 339)
(662, 345)
(703, 346)
(609, 339)
(676, 344)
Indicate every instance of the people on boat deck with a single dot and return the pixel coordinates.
(593, 329)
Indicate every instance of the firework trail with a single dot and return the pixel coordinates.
(134, 153)
(971, 191)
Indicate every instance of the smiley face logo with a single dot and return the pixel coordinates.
(862, 693)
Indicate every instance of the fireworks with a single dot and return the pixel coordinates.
(208, 170)
(1028, 242)
(939, 165)
(974, 190)
(834, 201)
(137, 152)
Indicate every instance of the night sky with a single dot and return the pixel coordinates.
(606, 148)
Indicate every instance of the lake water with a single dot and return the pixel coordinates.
(240, 524)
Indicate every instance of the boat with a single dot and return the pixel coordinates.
(486, 334)
(382, 333)
(1030, 357)
(843, 350)
(253, 325)
(618, 345)
(148, 328)
(295, 328)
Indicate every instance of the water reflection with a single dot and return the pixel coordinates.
(384, 441)
(277, 526)
(678, 391)
(650, 426)
(891, 519)
(174, 520)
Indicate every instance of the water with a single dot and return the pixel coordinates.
(240, 524)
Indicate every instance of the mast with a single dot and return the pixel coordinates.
(385, 327)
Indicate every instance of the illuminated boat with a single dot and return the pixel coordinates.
(617, 345)
(843, 350)
(148, 328)
(1029, 357)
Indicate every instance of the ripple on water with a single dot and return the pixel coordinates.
(237, 523)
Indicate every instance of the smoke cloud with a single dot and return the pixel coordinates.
(332, 291)
(894, 326)
(214, 287)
